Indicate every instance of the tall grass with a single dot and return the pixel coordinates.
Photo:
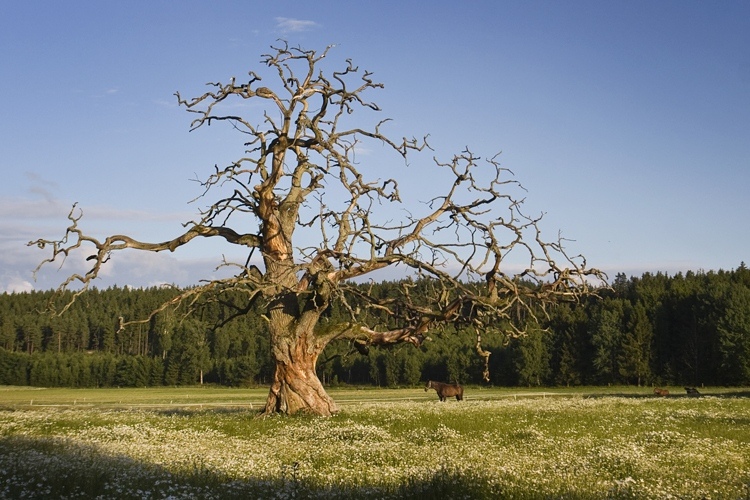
(383, 444)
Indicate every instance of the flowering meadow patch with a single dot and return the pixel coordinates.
(531, 447)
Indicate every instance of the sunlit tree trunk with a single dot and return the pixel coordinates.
(300, 171)
(295, 349)
(296, 387)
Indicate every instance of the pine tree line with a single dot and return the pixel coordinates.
(655, 329)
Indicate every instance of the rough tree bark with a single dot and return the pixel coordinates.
(299, 176)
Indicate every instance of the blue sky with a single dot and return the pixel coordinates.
(627, 122)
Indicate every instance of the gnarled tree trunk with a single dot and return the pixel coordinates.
(299, 171)
(296, 387)
(295, 349)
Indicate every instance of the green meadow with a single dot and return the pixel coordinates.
(206, 442)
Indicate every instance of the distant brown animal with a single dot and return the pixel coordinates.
(661, 392)
(445, 391)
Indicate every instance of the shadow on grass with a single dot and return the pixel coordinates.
(38, 468)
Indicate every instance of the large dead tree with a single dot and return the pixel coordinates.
(299, 177)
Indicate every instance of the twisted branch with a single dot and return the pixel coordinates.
(484, 258)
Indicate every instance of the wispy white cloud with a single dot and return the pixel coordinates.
(25, 219)
(15, 284)
(22, 221)
(17, 261)
(18, 208)
(42, 186)
(113, 213)
(131, 268)
(37, 179)
(289, 25)
(166, 103)
(22, 208)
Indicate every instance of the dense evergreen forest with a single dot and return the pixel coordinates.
(655, 329)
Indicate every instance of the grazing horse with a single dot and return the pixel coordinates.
(661, 392)
(446, 390)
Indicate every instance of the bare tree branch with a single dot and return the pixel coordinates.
(485, 259)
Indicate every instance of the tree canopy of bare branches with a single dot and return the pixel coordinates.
(308, 213)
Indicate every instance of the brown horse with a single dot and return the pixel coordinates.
(661, 392)
(446, 390)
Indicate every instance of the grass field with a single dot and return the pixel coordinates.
(205, 442)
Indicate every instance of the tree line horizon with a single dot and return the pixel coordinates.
(656, 329)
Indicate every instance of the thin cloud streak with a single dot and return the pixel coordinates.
(289, 25)
(57, 210)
